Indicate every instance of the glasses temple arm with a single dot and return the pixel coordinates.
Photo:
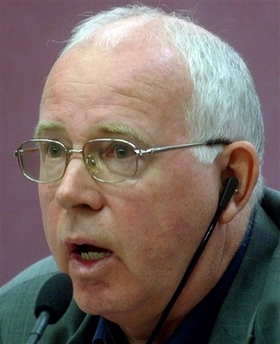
(154, 150)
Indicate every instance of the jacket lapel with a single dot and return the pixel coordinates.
(237, 316)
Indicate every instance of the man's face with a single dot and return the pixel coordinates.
(146, 228)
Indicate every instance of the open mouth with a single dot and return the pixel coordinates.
(89, 252)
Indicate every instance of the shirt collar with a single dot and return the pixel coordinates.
(107, 331)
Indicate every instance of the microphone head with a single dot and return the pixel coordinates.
(54, 297)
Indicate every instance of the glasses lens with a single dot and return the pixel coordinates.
(42, 160)
(110, 160)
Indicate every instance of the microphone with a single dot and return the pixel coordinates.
(52, 302)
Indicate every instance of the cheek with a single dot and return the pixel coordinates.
(43, 198)
(157, 232)
(163, 222)
(49, 216)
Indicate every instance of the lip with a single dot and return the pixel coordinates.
(98, 257)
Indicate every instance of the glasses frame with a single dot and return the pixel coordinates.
(138, 153)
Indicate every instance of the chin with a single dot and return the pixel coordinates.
(92, 298)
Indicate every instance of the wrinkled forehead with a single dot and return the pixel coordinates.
(138, 60)
(136, 76)
(127, 37)
(144, 39)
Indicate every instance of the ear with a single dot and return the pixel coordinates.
(239, 160)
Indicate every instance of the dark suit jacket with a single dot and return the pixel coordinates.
(250, 312)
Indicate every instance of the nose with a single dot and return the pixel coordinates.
(78, 188)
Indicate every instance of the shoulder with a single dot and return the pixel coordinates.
(271, 205)
(18, 298)
(257, 283)
(267, 322)
(33, 276)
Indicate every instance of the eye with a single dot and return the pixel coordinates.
(119, 150)
(54, 150)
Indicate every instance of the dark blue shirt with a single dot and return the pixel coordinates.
(197, 326)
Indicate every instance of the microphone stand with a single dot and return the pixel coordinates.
(39, 327)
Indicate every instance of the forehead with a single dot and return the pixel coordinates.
(126, 63)
(141, 78)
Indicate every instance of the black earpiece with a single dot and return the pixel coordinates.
(228, 191)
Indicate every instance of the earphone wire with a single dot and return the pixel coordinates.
(231, 185)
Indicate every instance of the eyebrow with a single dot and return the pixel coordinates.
(48, 126)
(103, 128)
(118, 128)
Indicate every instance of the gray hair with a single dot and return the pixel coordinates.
(224, 103)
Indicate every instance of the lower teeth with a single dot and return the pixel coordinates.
(93, 255)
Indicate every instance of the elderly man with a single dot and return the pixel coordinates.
(147, 153)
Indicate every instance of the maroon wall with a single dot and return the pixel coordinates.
(31, 32)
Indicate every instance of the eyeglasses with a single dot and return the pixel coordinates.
(107, 160)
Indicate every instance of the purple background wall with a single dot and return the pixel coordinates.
(31, 32)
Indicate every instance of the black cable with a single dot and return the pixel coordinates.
(228, 191)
